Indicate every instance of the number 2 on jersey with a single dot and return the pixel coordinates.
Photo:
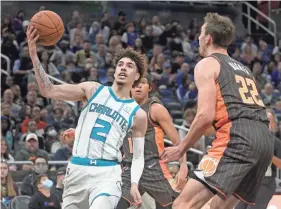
(248, 87)
(100, 130)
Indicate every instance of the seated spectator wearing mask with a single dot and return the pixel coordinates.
(44, 198)
(58, 189)
(30, 151)
(29, 186)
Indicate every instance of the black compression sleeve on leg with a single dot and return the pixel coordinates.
(123, 204)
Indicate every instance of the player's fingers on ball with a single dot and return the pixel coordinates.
(36, 38)
(33, 33)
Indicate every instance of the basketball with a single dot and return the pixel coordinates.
(49, 27)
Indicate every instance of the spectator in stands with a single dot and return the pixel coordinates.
(9, 46)
(93, 31)
(8, 98)
(7, 25)
(36, 116)
(101, 56)
(30, 151)
(5, 154)
(93, 75)
(6, 111)
(32, 128)
(25, 112)
(261, 78)
(48, 65)
(138, 46)
(249, 42)
(247, 55)
(41, 166)
(184, 71)
(105, 31)
(113, 43)
(277, 107)
(22, 67)
(75, 19)
(50, 136)
(157, 27)
(63, 56)
(31, 97)
(79, 30)
(109, 77)
(188, 117)
(264, 53)
(269, 95)
(277, 49)
(8, 187)
(147, 38)
(77, 43)
(276, 75)
(84, 54)
(65, 152)
(178, 60)
(8, 84)
(18, 20)
(6, 132)
(120, 26)
(58, 189)
(129, 37)
(237, 54)
(17, 95)
(44, 198)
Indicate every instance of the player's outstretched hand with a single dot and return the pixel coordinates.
(32, 38)
(136, 195)
(68, 136)
(171, 154)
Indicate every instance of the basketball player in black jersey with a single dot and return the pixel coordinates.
(156, 179)
(229, 100)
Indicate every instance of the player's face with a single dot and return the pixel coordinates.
(140, 92)
(126, 72)
(204, 41)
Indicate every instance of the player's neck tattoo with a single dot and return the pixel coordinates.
(42, 78)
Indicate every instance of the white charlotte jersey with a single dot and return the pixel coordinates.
(103, 125)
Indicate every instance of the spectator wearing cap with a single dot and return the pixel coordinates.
(129, 37)
(40, 166)
(120, 25)
(82, 55)
(58, 189)
(45, 197)
(30, 151)
(36, 116)
(32, 128)
(61, 57)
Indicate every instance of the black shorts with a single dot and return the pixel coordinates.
(238, 160)
(154, 181)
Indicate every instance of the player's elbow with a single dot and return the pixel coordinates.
(206, 118)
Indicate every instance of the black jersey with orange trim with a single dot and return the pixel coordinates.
(237, 94)
(154, 138)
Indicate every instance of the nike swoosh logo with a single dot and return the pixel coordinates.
(150, 166)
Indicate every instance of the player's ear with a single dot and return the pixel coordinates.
(137, 76)
(208, 39)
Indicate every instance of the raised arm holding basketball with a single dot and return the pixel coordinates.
(67, 92)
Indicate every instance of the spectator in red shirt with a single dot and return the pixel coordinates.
(35, 114)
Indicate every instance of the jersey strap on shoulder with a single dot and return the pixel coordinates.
(93, 96)
(132, 116)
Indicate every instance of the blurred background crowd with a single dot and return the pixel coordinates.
(32, 126)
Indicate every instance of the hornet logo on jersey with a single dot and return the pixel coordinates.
(104, 110)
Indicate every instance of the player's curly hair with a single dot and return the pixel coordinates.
(138, 58)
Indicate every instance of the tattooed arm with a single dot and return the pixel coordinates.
(67, 92)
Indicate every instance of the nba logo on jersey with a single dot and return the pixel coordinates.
(102, 126)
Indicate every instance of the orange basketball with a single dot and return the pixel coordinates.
(49, 27)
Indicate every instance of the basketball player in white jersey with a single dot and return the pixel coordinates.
(93, 178)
